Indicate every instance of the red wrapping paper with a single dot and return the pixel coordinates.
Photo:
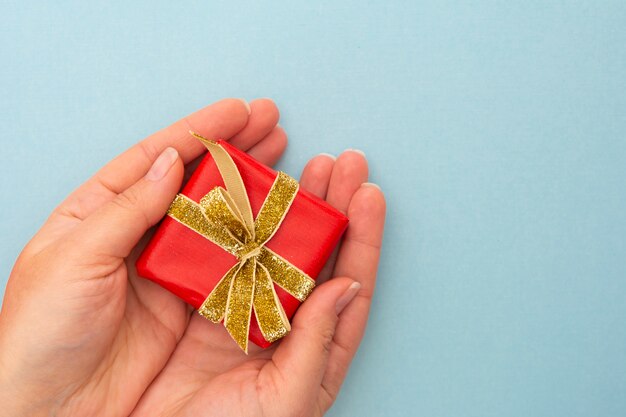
(189, 265)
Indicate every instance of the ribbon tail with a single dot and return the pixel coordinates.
(231, 176)
(268, 309)
(214, 306)
(239, 304)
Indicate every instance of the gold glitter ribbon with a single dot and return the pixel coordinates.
(224, 217)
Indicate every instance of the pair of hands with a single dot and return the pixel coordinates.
(81, 334)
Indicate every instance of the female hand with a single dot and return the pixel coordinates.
(81, 334)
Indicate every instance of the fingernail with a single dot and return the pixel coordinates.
(360, 152)
(245, 103)
(333, 157)
(162, 165)
(347, 296)
(370, 184)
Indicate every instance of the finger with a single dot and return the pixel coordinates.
(269, 150)
(263, 117)
(303, 354)
(349, 172)
(358, 259)
(360, 250)
(96, 193)
(115, 228)
(222, 119)
(316, 175)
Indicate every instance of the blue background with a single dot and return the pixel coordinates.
(497, 130)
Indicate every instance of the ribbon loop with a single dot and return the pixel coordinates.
(218, 208)
(192, 215)
(224, 216)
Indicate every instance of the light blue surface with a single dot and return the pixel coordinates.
(497, 130)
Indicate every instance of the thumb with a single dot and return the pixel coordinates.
(303, 354)
(115, 228)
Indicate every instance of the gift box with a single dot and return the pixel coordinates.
(242, 244)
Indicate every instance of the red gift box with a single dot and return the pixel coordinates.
(190, 266)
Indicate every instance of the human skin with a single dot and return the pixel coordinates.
(82, 335)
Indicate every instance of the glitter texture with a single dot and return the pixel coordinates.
(214, 307)
(287, 276)
(192, 215)
(275, 207)
(239, 305)
(271, 317)
(218, 211)
(218, 217)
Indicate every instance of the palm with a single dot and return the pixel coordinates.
(208, 368)
(121, 342)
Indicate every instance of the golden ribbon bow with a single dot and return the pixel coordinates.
(224, 217)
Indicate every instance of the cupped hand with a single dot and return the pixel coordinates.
(81, 334)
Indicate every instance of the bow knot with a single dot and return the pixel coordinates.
(249, 251)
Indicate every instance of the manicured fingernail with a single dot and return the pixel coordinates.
(162, 165)
(333, 157)
(347, 296)
(370, 184)
(360, 152)
(245, 103)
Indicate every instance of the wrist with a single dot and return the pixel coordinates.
(21, 392)
(17, 400)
